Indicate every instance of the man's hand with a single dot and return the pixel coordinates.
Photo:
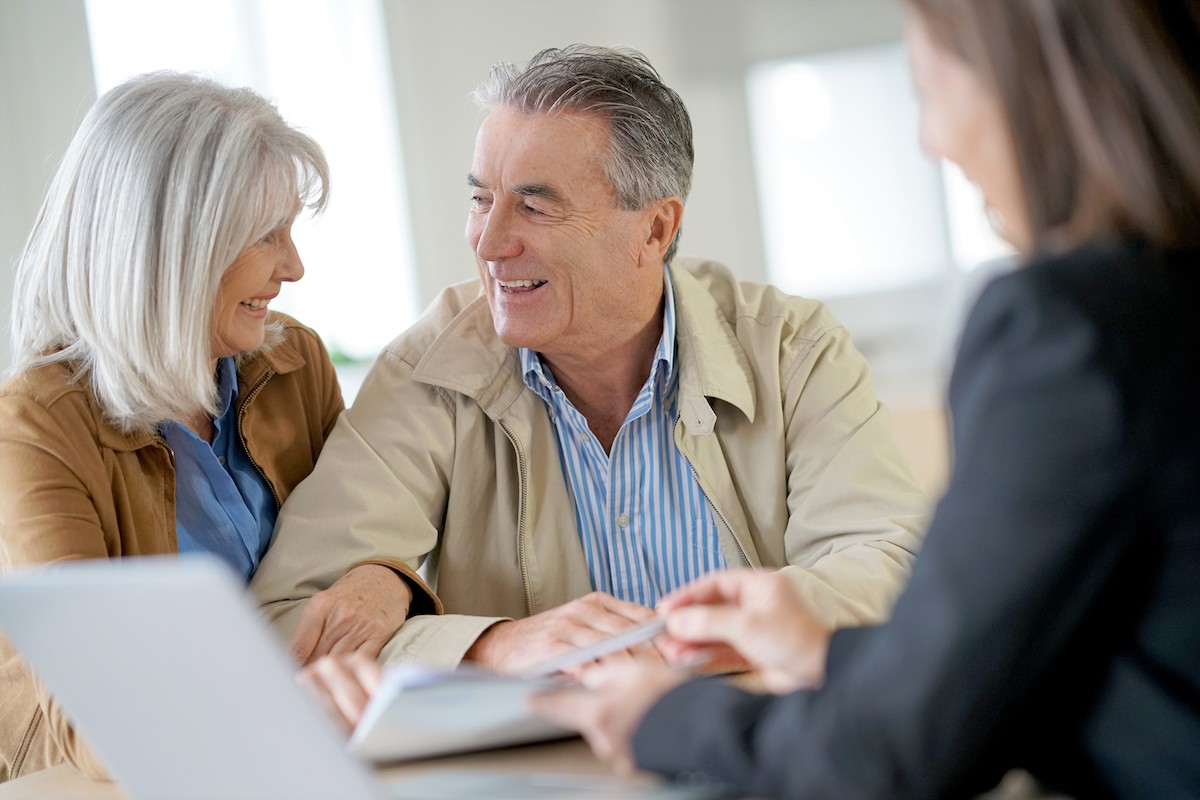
(519, 644)
(748, 619)
(611, 705)
(361, 611)
(343, 684)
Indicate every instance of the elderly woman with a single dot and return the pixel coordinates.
(1052, 621)
(157, 405)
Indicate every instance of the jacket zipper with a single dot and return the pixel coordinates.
(741, 550)
(523, 492)
(242, 437)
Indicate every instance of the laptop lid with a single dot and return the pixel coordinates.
(171, 675)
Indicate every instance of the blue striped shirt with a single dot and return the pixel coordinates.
(645, 525)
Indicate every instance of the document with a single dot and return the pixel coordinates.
(424, 711)
(420, 711)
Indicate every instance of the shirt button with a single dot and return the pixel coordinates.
(221, 460)
(623, 520)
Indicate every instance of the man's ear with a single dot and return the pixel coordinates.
(665, 218)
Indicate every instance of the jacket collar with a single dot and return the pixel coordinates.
(712, 362)
(467, 357)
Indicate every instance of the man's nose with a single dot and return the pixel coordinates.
(498, 237)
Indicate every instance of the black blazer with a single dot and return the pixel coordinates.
(1052, 620)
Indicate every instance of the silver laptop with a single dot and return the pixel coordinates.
(183, 691)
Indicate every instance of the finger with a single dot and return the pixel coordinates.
(307, 634)
(707, 659)
(586, 626)
(647, 653)
(722, 586)
(563, 707)
(366, 671)
(342, 685)
(328, 641)
(314, 684)
(620, 608)
(372, 646)
(708, 623)
(355, 637)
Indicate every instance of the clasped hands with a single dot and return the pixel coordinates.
(736, 620)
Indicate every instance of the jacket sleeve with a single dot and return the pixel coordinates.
(855, 512)
(378, 495)
(1023, 553)
(46, 516)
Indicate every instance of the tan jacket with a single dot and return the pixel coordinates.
(447, 459)
(74, 486)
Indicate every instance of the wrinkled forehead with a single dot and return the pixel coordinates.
(561, 149)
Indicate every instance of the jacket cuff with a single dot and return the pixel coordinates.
(438, 641)
(683, 737)
(844, 642)
(424, 601)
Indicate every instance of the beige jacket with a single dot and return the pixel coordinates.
(447, 460)
(74, 486)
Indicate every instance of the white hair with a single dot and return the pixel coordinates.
(169, 178)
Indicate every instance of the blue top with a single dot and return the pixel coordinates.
(645, 525)
(223, 503)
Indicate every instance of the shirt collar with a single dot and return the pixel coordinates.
(537, 379)
(226, 375)
(226, 388)
(226, 385)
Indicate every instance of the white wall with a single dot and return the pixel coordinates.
(45, 89)
(442, 50)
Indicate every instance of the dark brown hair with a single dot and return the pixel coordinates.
(1102, 99)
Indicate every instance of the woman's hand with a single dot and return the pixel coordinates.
(745, 619)
(343, 684)
(610, 704)
(360, 612)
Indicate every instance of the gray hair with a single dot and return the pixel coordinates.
(169, 178)
(649, 127)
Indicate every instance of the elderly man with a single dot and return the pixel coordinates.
(592, 423)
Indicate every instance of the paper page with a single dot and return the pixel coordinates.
(421, 711)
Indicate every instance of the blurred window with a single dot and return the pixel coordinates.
(854, 214)
(325, 65)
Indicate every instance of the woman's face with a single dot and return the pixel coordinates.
(248, 285)
(963, 121)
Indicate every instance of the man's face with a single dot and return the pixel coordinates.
(565, 271)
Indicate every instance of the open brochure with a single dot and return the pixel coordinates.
(423, 711)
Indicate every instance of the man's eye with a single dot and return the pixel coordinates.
(479, 201)
(533, 210)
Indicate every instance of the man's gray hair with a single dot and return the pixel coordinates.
(649, 127)
(169, 178)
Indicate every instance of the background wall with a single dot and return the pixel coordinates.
(45, 88)
(442, 49)
(439, 51)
